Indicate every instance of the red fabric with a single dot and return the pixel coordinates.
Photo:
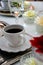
(37, 42)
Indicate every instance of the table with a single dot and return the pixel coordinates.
(29, 28)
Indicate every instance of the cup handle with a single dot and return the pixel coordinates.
(22, 34)
(25, 35)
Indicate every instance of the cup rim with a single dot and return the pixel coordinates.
(5, 28)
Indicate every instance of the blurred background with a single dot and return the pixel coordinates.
(4, 4)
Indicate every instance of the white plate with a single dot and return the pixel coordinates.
(6, 14)
(5, 47)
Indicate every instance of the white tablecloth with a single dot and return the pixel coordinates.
(31, 28)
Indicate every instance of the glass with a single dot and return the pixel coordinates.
(15, 6)
(39, 23)
(39, 56)
(29, 59)
(24, 57)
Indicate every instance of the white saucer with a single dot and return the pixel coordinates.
(5, 47)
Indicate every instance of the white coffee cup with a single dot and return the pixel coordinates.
(14, 34)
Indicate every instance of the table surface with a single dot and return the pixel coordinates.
(30, 27)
